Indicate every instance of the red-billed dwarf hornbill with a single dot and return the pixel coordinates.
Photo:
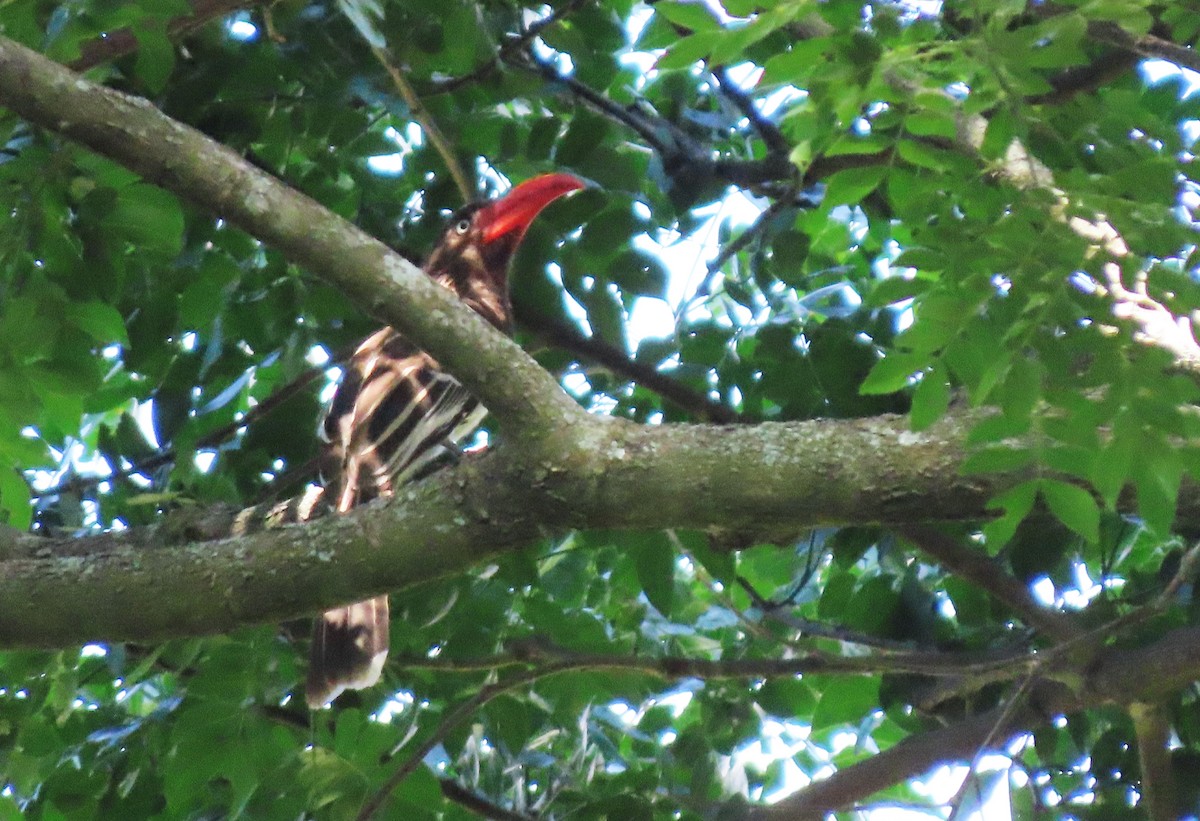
(395, 411)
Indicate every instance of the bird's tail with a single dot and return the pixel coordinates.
(349, 647)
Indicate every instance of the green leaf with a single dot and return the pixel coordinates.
(1021, 389)
(1158, 472)
(687, 15)
(896, 289)
(688, 50)
(931, 398)
(893, 373)
(852, 184)
(1073, 506)
(846, 703)
(931, 124)
(655, 560)
(641, 273)
(997, 459)
(155, 54)
(15, 499)
(1016, 503)
(148, 218)
(102, 322)
(924, 156)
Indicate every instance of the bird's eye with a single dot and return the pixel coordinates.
(463, 226)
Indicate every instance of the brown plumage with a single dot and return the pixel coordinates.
(395, 411)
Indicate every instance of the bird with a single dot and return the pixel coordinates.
(395, 411)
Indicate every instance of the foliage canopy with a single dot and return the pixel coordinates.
(978, 215)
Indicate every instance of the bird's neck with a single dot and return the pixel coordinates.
(483, 292)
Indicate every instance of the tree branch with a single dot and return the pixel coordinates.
(772, 137)
(1147, 45)
(1121, 676)
(1160, 792)
(453, 791)
(56, 592)
(979, 569)
(932, 663)
(617, 361)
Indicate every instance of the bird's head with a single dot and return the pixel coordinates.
(473, 254)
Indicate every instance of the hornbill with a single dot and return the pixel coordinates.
(395, 411)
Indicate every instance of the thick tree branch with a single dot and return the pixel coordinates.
(386, 286)
(60, 592)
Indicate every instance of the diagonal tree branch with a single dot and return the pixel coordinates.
(1120, 677)
(978, 568)
(792, 475)
(129, 130)
(613, 358)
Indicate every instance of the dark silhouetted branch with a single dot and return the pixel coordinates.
(453, 791)
(770, 133)
(981, 570)
(617, 361)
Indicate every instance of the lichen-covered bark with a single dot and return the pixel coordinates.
(618, 475)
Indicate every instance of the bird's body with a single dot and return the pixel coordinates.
(395, 411)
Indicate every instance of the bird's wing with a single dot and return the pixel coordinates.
(392, 415)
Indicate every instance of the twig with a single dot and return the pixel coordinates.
(448, 723)
(560, 661)
(808, 627)
(477, 804)
(1007, 713)
(215, 437)
(211, 439)
(736, 246)
(1189, 565)
(510, 47)
(681, 155)
(770, 133)
(926, 662)
(422, 116)
(647, 127)
(616, 360)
